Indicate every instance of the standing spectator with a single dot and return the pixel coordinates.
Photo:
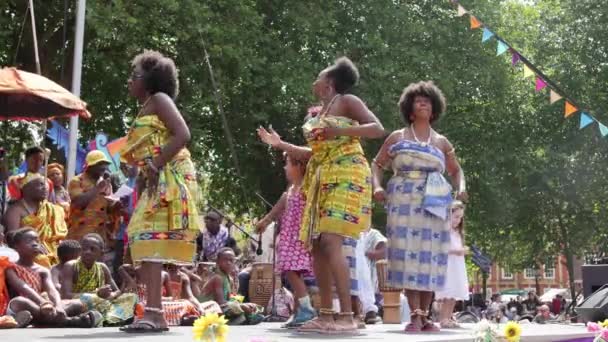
(55, 172)
(373, 244)
(531, 303)
(92, 210)
(213, 238)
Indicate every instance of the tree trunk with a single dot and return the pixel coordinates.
(484, 285)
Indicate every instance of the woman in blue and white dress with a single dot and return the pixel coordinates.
(418, 200)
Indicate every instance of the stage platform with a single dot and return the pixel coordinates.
(271, 332)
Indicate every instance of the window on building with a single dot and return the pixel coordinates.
(506, 273)
(529, 273)
(549, 271)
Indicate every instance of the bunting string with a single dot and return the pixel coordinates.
(541, 80)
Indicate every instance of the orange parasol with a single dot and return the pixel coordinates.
(28, 96)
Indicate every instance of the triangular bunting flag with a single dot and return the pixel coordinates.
(475, 24)
(603, 129)
(586, 120)
(570, 109)
(555, 97)
(487, 34)
(501, 48)
(527, 71)
(515, 58)
(540, 84)
(461, 11)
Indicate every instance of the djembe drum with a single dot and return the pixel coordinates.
(392, 296)
(260, 283)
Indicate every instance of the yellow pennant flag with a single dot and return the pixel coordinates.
(555, 97)
(570, 109)
(461, 11)
(527, 71)
(475, 23)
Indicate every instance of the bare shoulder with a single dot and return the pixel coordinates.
(395, 136)
(41, 270)
(160, 98)
(350, 99)
(442, 142)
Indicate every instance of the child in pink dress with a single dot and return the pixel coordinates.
(292, 256)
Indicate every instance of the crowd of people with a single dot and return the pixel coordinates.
(145, 261)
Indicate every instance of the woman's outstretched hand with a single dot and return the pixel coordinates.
(269, 136)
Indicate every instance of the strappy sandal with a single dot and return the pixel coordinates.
(143, 326)
(345, 330)
(427, 324)
(318, 325)
(449, 324)
(412, 327)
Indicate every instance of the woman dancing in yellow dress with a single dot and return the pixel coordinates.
(337, 186)
(165, 221)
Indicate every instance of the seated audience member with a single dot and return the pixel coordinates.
(91, 282)
(92, 209)
(68, 250)
(34, 161)
(218, 288)
(544, 315)
(33, 210)
(198, 276)
(61, 196)
(34, 298)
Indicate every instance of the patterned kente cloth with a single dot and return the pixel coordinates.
(4, 297)
(29, 276)
(418, 224)
(96, 217)
(337, 183)
(114, 311)
(163, 226)
(49, 223)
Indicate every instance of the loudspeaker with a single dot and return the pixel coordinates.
(594, 276)
(595, 307)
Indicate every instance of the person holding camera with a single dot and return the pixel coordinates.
(92, 209)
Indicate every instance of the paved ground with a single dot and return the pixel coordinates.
(271, 332)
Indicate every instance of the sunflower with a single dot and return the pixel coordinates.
(210, 328)
(512, 332)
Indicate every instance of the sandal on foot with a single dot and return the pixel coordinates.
(318, 325)
(142, 327)
(449, 324)
(412, 328)
(352, 329)
(23, 319)
(429, 326)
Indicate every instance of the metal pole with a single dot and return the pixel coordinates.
(35, 38)
(76, 81)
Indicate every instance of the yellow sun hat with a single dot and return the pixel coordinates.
(95, 157)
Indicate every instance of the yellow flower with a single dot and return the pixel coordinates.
(209, 324)
(512, 331)
(239, 298)
(603, 324)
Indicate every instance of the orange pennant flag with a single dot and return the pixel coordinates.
(475, 23)
(570, 109)
(555, 97)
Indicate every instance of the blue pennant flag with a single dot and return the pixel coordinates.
(586, 120)
(603, 129)
(487, 34)
(501, 48)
